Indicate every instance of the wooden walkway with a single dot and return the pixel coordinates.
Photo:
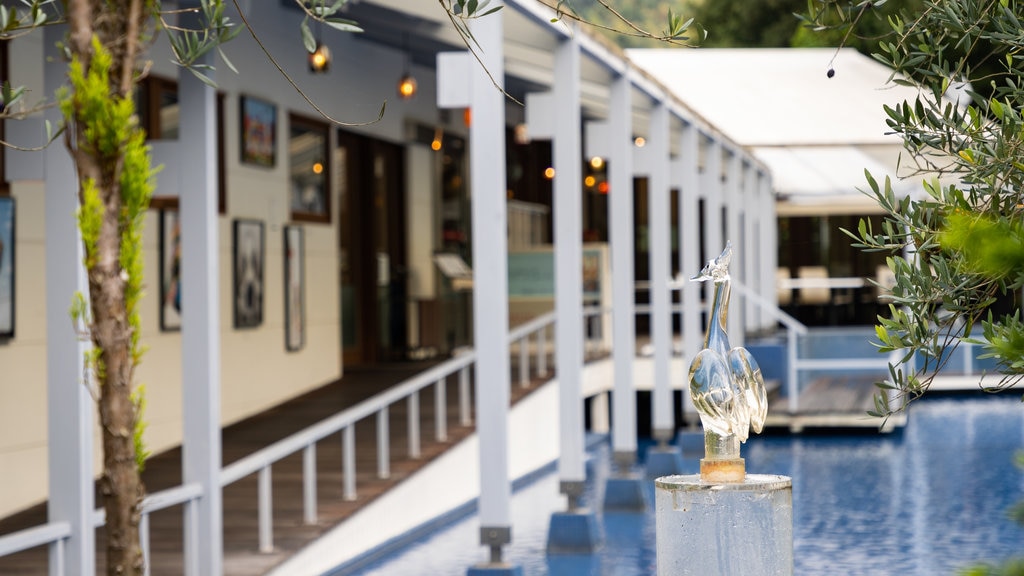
(841, 402)
(241, 554)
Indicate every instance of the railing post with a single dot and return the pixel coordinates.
(414, 424)
(265, 511)
(791, 384)
(309, 484)
(348, 449)
(57, 556)
(440, 411)
(144, 542)
(191, 537)
(542, 352)
(383, 444)
(464, 414)
(968, 352)
(524, 361)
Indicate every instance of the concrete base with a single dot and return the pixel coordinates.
(573, 533)
(625, 494)
(495, 570)
(664, 461)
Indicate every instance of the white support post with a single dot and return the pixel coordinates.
(711, 192)
(462, 82)
(751, 260)
(70, 412)
(200, 331)
(568, 239)
(734, 233)
(620, 208)
(768, 242)
(689, 252)
(659, 255)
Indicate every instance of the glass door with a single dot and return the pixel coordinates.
(372, 249)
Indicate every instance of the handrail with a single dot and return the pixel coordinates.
(526, 328)
(36, 536)
(171, 497)
(292, 444)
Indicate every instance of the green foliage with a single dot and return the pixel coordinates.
(109, 131)
(106, 118)
(32, 14)
(957, 249)
(191, 44)
(90, 220)
(138, 399)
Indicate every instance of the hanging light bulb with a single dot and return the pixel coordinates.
(320, 59)
(407, 86)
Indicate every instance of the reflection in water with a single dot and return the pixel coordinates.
(919, 502)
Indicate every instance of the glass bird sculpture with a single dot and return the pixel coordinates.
(726, 385)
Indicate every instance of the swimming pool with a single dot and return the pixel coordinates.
(923, 501)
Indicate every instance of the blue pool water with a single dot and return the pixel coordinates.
(924, 501)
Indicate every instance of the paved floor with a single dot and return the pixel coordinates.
(241, 555)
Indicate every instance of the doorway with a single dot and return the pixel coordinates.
(372, 249)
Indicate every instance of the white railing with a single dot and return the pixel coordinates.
(261, 462)
(54, 534)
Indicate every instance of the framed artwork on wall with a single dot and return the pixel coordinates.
(259, 131)
(170, 270)
(308, 169)
(294, 289)
(7, 269)
(247, 264)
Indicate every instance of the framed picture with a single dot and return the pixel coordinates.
(259, 131)
(309, 169)
(170, 270)
(248, 273)
(6, 267)
(294, 288)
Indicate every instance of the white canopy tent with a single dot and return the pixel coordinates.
(816, 134)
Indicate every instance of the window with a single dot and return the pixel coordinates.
(158, 110)
(309, 171)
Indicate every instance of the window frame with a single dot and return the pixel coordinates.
(312, 124)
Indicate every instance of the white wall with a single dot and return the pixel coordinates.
(257, 372)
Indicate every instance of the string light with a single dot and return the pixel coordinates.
(320, 59)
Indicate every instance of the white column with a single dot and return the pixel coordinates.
(769, 241)
(70, 409)
(620, 207)
(711, 191)
(689, 249)
(200, 319)
(568, 239)
(734, 234)
(659, 254)
(751, 261)
(490, 276)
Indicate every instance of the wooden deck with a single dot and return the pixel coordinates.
(241, 555)
(841, 402)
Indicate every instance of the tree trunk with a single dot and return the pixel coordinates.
(116, 26)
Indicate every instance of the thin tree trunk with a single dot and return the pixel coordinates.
(116, 24)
